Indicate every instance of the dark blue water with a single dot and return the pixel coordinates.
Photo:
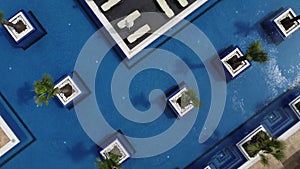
(61, 142)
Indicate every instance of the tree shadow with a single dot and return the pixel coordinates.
(181, 70)
(25, 93)
(243, 28)
(79, 151)
(262, 31)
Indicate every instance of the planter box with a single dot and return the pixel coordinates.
(33, 32)
(172, 102)
(117, 143)
(293, 104)
(246, 139)
(289, 13)
(75, 90)
(12, 139)
(116, 147)
(230, 72)
(274, 28)
(207, 167)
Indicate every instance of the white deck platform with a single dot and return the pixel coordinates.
(128, 21)
(138, 33)
(165, 7)
(109, 4)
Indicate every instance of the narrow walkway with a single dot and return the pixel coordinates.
(292, 153)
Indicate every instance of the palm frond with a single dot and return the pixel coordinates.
(44, 90)
(252, 149)
(190, 97)
(278, 154)
(109, 162)
(1, 15)
(255, 53)
(264, 160)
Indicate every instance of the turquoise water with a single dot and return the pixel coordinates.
(60, 140)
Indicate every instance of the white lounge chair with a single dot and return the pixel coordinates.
(165, 7)
(109, 4)
(128, 21)
(138, 33)
(183, 3)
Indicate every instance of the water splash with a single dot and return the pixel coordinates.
(238, 103)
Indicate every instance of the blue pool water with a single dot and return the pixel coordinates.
(61, 142)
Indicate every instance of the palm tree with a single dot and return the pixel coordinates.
(254, 53)
(109, 162)
(189, 97)
(44, 90)
(263, 144)
(19, 26)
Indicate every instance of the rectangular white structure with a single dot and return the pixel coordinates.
(247, 138)
(244, 64)
(130, 52)
(61, 97)
(288, 13)
(13, 139)
(179, 110)
(19, 17)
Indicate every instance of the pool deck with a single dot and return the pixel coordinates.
(61, 142)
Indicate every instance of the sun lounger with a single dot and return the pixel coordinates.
(138, 33)
(109, 4)
(183, 3)
(128, 21)
(165, 7)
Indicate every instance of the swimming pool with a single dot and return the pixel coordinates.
(65, 144)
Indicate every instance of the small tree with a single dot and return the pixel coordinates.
(189, 97)
(19, 26)
(254, 53)
(109, 162)
(44, 90)
(263, 144)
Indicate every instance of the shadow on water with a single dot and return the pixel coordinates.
(243, 28)
(6, 35)
(79, 151)
(25, 93)
(263, 33)
(169, 113)
(181, 70)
